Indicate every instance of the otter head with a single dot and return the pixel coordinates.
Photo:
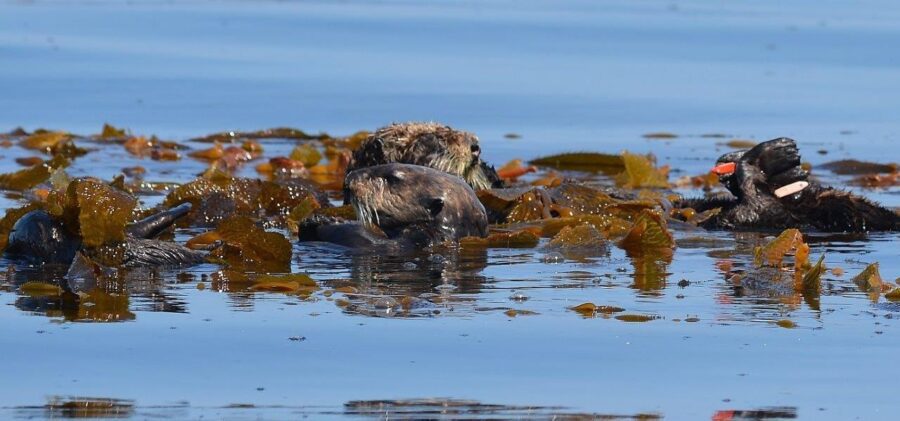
(38, 237)
(774, 163)
(725, 168)
(431, 145)
(412, 200)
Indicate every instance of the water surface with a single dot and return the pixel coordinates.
(571, 76)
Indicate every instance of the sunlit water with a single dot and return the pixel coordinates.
(574, 76)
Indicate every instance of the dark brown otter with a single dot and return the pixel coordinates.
(40, 238)
(759, 172)
(430, 145)
(403, 205)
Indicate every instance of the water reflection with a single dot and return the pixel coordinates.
(415, 284)
(67, 293)
(776, 413)
(458, 282)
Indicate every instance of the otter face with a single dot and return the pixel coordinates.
(404, 197)
(725, 168)
(451, 151)
(776, 162)
(430, 145)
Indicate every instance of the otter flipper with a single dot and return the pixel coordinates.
(140, 252)
(154, 225)
(345, 233)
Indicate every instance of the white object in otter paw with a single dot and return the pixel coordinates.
(791, 188)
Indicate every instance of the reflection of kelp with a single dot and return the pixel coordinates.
(95, 306)
(242, 287)
(83, 407)
(650, 270)
(109, 296)
(766, 291)
(468, 409)
(775, 413)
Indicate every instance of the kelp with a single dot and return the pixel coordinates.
(98, 210)
(551, 179)
(29, 161)
(502, 199)
(203, 241)
(30, 177)
(517, 239)
(659, 135)
(330, 176)
(272, 133)
(515, 313)
(111, 132)
(245, 245)
(44, 141)
(582, 199)
(640, 172)
(531, 206)
(156, 149)
(740, 144)
(855, 167)
(523, 204)
(869, 279)
(218, 195)
(584, 239)
(304, 210)
(876, 180)
(53, 143)
(306, 154)
(772, 254)
(893, 295)
(811, 285)
(648, 234)
(635, 318)
(514, 169)
(590, 309)
(295, 283)
(610, 226)
(209, 154)
(40, 289)
(582, 161)
(346, 212)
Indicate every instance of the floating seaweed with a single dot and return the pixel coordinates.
(245, 245)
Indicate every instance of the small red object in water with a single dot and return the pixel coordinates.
(724, 169)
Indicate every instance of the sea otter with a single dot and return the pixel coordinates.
(40, 238)
(427, 144)
(403, 205)
(770, 190)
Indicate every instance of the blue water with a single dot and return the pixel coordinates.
(578, 75)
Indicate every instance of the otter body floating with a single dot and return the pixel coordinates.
(40, 238)
(403, 205)
(769, 190)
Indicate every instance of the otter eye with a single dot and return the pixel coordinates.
(394, 177)
(435, 206)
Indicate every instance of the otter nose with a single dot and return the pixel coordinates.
(476, 150)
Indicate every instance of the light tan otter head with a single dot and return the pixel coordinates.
(431, 145)
(412, 200)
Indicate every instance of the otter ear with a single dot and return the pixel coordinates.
(435, 206)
